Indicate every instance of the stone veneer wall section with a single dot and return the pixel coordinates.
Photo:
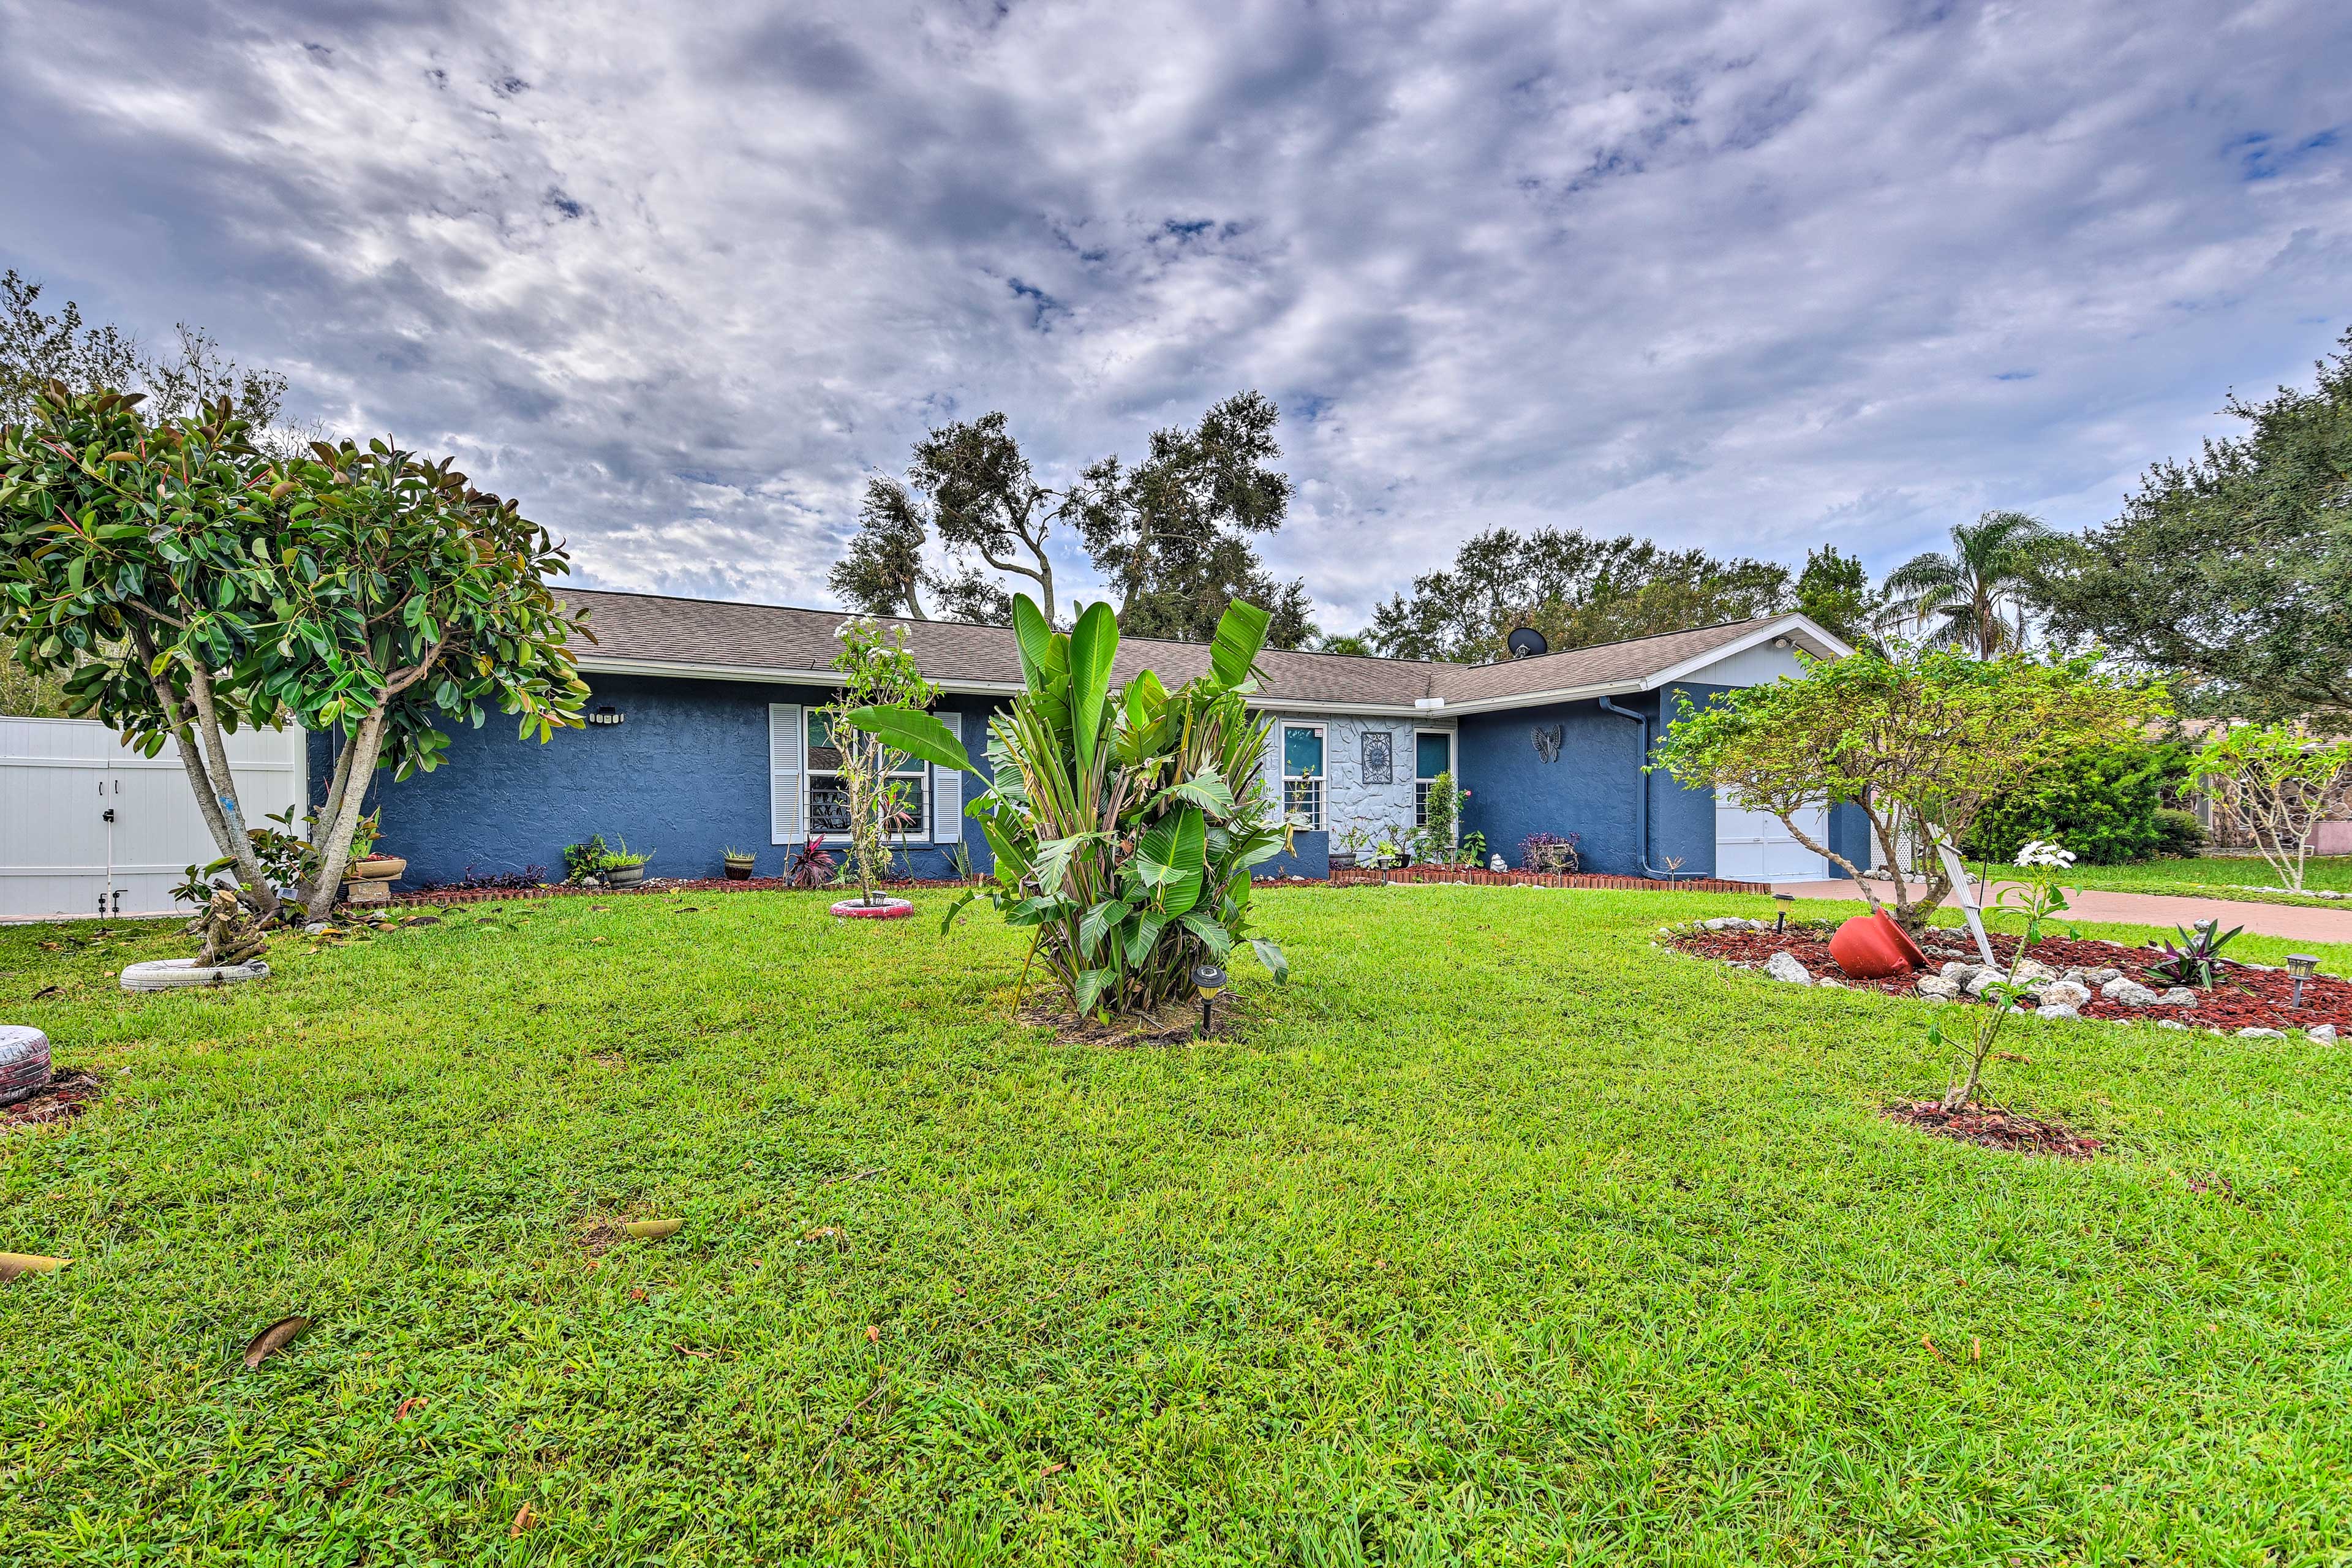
(1348, 799)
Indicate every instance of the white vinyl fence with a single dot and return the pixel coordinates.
(87, 826)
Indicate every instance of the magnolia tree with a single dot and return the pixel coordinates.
(1919, 742)
(2276, 782)
(186, 587)
(1124, 822)
(876, 670)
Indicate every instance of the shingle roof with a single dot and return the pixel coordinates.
(651, 629)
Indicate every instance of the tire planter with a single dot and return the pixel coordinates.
(376, 868)
(24, 1062)
(888, 909)
(1871, 947)
(183, 973)
(624, 876)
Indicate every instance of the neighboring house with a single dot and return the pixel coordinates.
(702, 736)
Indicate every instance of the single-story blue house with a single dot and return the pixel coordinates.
(702, 737)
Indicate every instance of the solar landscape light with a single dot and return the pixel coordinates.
(2300, 966)
(1784, 901)
(1207, 981)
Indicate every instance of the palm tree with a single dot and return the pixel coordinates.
(1974, 598)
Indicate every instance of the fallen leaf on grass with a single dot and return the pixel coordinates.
(272, 1340)
(698, 1355)
(408, 1404)
(525, 1517)
(14, 1263)
(1055, 1468)
(636, 1292)
(2014, 1057)
(652, 1229)
(1931, 1347)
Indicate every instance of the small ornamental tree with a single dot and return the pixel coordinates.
(876, 670)
(2277, 783)
(1124, 822)
(187, 587)
(1922, 741)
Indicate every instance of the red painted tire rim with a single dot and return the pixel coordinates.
(890, 910)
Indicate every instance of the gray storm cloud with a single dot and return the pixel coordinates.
(1752, 276)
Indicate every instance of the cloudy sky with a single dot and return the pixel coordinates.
(1750, 276)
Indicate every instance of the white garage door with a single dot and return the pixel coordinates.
(60, 778)
(1757, 846)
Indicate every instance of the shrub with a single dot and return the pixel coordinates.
(2102, 803)
(1124, 822)
(2179, 832)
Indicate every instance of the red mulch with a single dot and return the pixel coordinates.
(1991, 1129)
(1373, 877)
(2242, 998)
(652, 885)
(60, 1100)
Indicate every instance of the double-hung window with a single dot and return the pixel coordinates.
(1302, 773)
(1432, 753)
(828, 796)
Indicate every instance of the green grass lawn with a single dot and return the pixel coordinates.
(2213, 876)
(1504, 1236)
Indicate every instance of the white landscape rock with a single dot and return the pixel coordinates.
(2172, 1024)
(1936, 987)
(1783, 966)
(2065, 993)
(2058, 1010)
(2130, 993)
(2262, 1034)
(2178, 997)
(2032, 969)
(2321, 1034)
(1959, 972)
(2101, 976)
(1982, 979)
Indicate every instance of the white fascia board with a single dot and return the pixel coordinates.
(1539, 698)
(597, 664)
(1788, 625)
(1261, 701)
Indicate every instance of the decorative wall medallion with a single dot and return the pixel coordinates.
(1547, 742)
(1379, 756)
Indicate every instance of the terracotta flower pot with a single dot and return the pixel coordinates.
(376, 868)
(1871, 946)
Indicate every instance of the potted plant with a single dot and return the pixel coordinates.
(1352, 843)
(739, 864)
(620, 866)
(365, 865)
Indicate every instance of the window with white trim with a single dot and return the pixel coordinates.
(1302, 773)
(1432, 753)
(828, 799)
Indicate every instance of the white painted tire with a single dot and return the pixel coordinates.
(179, 974)
(24, 1061)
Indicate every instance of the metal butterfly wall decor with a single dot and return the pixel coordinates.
(1547, 742)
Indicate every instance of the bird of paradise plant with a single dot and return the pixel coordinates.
(1124, 824)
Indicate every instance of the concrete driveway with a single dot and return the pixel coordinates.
(2291, 921)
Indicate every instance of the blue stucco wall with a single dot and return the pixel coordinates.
(1310, 855)
(685, 775)
(1849, 835)
(1590, 791)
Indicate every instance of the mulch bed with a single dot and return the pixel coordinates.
(1371, 877)
(1176, 1024)
(2242, 998)
(1989, 1127)
(651, 885)
(60, 1100)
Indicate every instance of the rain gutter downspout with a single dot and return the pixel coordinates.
(1642, 794)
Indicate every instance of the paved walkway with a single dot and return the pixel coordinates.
(2293, 922)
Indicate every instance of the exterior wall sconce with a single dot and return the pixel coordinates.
(607, 715)
(2300, 966)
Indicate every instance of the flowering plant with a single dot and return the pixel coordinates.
(2037, 898)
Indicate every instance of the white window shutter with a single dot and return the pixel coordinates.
(947, 792)
(785, 737)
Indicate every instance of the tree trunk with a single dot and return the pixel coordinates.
(197, 737)
(334, 855)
